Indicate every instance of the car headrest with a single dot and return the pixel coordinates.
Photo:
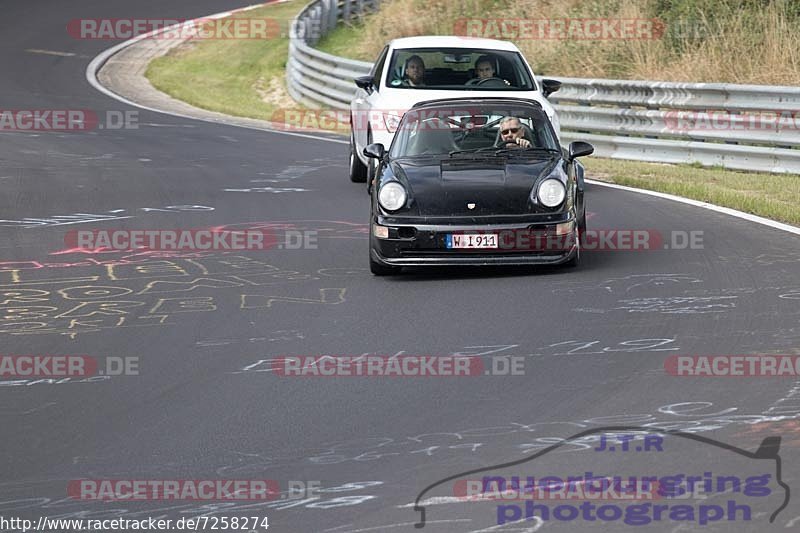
(435, 137)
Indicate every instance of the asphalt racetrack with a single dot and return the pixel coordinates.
(204, 402)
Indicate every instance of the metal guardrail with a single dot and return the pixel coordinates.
(745, 127)
(315, 78)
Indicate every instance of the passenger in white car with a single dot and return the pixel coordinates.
(414, 72)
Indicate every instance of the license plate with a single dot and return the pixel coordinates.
(485, 240)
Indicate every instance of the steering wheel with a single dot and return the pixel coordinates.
(494, 81)
(474, 133)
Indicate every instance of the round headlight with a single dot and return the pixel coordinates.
(551, 192)
(392, 196)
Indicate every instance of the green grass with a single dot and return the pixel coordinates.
(231, 76)
(340, 42)
(774, 196)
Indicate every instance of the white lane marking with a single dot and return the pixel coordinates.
(96, 63)
(49, 52)
(704, 205)
(152, 125)
(28, 223)
(439, 500)
(525, 529)
(381, 528)
(274, 190)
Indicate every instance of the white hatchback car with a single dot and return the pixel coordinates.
(416, 69)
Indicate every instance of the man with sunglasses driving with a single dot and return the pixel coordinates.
(512, 134)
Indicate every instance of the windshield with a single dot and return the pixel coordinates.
(468, 69)
(471, 128)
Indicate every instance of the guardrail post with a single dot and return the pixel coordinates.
(323, 20)
(333, 13)
(346, 11)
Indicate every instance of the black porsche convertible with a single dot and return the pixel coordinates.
(476, 182)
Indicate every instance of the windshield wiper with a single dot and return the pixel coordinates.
(468, 151)
(528, 150)
(497, 150)
(493, 148)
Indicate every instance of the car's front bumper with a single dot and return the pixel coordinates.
(522, 243)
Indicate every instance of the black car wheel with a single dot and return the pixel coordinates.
(582, 223)
(576, 259)
(358, 170)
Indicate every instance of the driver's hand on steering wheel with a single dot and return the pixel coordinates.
(521, 141)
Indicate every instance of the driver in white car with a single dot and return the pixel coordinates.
(484, 69)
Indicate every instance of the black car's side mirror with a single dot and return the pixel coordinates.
(550, 86)
(580, 148)
(364, 82)
(375, 151)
